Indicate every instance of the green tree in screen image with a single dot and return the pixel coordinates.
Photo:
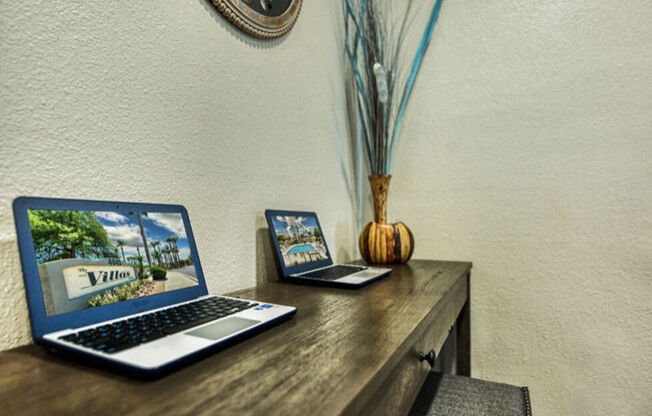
(157, 253)
(68, 235)
(174, 250)
(138, 261)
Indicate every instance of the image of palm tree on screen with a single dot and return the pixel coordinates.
(114, 238)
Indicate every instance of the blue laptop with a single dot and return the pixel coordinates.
(303, 256)
(120, 285)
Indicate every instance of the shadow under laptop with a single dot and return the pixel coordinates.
(42, 357)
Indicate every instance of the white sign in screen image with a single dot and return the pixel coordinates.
(83, 280)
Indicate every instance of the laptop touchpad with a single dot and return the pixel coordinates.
(223, 328)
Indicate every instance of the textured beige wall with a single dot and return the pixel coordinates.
(528, 150)
(165, 102)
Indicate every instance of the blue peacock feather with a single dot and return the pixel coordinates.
(373, 49)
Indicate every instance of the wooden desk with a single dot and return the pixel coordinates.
(346, 352)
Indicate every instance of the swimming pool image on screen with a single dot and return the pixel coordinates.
(301, 248)
(299, 239)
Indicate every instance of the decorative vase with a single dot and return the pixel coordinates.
(382, 243)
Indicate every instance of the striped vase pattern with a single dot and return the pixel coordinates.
(379, 242)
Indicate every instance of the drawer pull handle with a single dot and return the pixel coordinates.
(430, 357)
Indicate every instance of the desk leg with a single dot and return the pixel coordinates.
(464, 335)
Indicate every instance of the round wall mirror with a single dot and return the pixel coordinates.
(264, 19)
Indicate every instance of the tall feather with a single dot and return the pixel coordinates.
(414, 71)
(373, 46)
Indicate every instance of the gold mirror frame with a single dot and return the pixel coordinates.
(256, 24)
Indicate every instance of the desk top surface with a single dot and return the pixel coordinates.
(321, 360)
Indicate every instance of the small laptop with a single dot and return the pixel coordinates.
(303, 256)
(120, 285)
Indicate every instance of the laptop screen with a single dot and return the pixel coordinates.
(94, 258)
(299, 239)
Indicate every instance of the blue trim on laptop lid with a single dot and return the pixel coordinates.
(41, 322)
(269, 213)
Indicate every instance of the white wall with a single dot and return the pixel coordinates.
(165, 102)
(528, 150)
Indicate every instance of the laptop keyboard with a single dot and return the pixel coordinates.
(129, 333)
(332, 273)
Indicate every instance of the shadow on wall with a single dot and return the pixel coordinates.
(14, 320)
(350, 149)
(342, 244)
(266, 269)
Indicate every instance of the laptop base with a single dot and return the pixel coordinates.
(70, 354)
(335, 283)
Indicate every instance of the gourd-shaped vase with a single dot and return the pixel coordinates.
(379, 242)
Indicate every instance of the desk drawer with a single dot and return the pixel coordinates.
(399, 389)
